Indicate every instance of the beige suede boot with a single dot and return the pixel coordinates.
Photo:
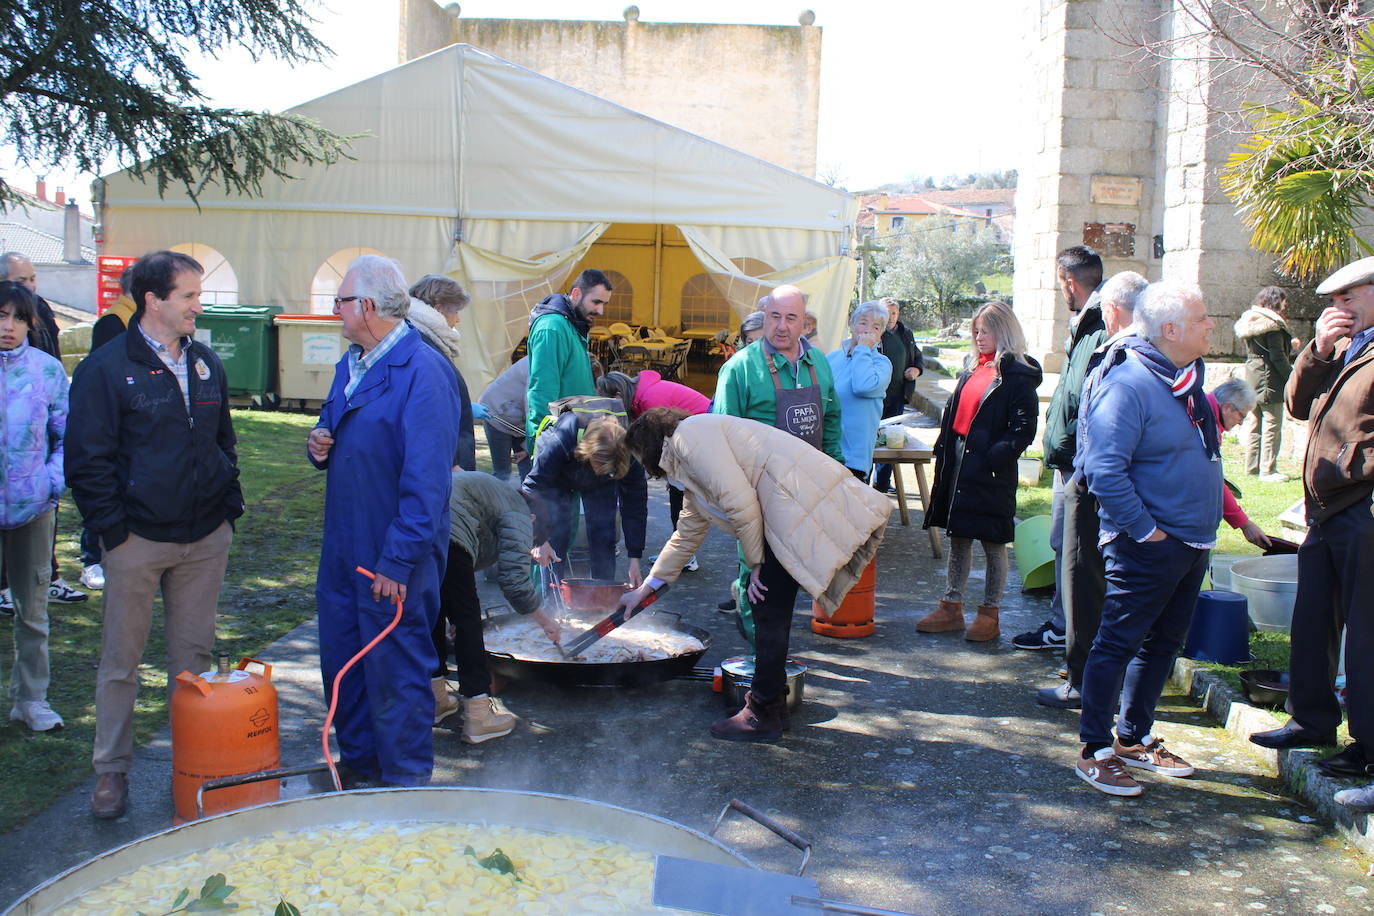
(445, 703)
(485, 718)
(985, 626)
(946, 618)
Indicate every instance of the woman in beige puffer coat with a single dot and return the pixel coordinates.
(802, 519)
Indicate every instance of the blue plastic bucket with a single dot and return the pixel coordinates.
(1221, 628)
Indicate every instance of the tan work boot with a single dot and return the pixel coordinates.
(984, 628)
(445, 703)
(946, 618)
(485, 718)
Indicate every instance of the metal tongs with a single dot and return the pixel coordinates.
(553, 595)
(587, 638)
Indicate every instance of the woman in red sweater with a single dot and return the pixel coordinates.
(987, 424)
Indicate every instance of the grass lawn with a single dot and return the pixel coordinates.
(268, 590)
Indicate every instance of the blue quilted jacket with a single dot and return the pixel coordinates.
(33, 388)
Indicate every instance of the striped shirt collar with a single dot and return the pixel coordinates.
(359, 363)
(1357, 343)
(177, 365)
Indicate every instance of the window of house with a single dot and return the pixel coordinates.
(752, 267)
(219, 285)
(329, 276)
(898, 222)
(621, 306)
(703, 307)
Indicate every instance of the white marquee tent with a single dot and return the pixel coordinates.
(472, 166)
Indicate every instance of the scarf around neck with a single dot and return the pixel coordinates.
(1184, 384)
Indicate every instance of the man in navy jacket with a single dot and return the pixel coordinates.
(386, 436)
(1149, 450)
(150, 459)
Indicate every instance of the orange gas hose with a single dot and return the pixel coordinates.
(338, 678)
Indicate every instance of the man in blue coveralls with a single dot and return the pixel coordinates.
(386, 437)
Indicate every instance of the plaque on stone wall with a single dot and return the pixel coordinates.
(1121, 190)
(1111, 240)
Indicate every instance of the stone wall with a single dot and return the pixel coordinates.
(1101, 121)
(1092, 161)
(752, 87)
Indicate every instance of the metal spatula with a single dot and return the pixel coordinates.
(732, 890)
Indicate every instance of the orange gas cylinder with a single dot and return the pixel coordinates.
(854, 617)
(224, 723)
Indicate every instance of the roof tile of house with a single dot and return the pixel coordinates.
(38, 246)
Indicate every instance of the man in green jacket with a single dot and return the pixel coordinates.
(1079, 272)
(559, 364)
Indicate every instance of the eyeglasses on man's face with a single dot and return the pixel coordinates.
(340, 300)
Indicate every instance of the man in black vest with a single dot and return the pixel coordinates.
(899, 346)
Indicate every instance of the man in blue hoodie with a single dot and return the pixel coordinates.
(1149, 449)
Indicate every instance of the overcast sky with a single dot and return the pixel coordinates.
(920, 87)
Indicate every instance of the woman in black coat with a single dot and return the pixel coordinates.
(986, 426)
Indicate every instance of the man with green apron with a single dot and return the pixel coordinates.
(783, 380)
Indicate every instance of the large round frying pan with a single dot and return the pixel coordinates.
(602, 674)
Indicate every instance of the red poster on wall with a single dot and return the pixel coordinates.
(109, 268)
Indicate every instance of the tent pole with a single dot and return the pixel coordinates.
(658, 273)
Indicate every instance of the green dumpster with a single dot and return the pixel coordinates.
(245, 340)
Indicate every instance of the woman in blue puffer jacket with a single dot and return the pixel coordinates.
(33, 388)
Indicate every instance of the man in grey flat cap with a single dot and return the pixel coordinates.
(1332, 387)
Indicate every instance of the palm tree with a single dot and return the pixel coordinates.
(1303, 181)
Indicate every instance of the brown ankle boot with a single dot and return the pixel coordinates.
(755, 722)
(984, 628)
(946, 618)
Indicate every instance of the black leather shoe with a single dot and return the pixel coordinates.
(1350, 762)
(1292, 735)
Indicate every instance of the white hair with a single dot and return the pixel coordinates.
(7, 262)
(1165, 302)
(752, 322)
(1237, 392)
(381, 280)
(1123, 291)
(874, 309)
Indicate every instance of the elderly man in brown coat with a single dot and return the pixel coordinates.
(1332, 387)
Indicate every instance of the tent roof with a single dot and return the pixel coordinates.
(463, 133)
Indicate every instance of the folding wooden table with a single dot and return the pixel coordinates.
(917, 458)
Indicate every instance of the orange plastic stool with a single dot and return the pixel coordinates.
(854, 617)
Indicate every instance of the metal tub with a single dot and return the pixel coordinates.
(1270, 585)
(488, 807)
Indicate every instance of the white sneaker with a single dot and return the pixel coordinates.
(93, 577)
(6, 603)
(1275, 477)
(59, 592)
(692, 564)
(1361, 799)
(37, 715)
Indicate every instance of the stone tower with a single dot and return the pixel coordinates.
(1125, 156)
